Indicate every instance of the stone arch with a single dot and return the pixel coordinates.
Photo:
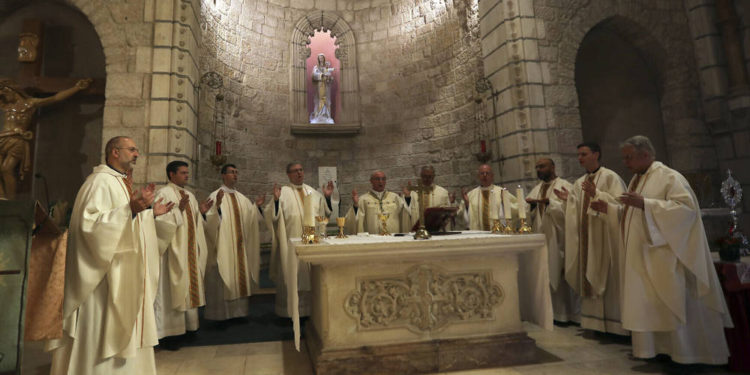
(347, 55)
(675, 75)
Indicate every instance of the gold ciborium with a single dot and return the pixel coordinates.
(383, 216)
(308, 235)
(524, 228)
(341, 221)
(322, 222)
(496, 227)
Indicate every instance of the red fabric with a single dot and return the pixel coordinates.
(737, 295)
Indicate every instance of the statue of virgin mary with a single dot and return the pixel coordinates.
(322, 77)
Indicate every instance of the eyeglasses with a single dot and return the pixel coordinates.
(131, 149)
(485, 173)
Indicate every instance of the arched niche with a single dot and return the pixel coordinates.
(620, 84)
(348, 121)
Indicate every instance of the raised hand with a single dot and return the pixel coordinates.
(260, 199)
(562, 194)
(205, 205)
(355, 198)
(465, 195)
(276, 192)
(161, 208)
(184, 200)
(589, 188)
(452, 197)
(219, 197)
(328, 189)
(599, 206)
(83, 84)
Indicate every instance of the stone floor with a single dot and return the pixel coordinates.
(581, 353)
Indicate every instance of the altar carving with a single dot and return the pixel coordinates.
(426, 298)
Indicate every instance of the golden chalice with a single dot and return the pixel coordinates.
(496, 227)
(341, 221)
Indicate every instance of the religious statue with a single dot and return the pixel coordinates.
(322, 78)
(16, 134)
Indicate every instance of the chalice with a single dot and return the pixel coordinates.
(322, 222)
(341, 221)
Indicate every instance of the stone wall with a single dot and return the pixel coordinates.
(530, 50)
(417, 64)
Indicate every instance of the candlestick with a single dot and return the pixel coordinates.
(218, 148)
(521, 203)
(309, 217)
(483, 145)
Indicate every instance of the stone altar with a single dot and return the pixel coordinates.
(393, 305)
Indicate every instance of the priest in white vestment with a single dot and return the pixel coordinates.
(485, 203)
(592, 264)
(672, 299)
(232, 231)
(182, 244)
(548, 218)
(112, 270)
(286, 220)
(365, 213)
(435, 196)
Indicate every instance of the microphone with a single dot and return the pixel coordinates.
(46, 190)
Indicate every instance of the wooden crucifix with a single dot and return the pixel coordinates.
(19, 106)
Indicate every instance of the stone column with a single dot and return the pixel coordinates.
(728, 23)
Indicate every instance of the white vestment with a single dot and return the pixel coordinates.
(234, 255)
(672, 299)
(474, 215)
(370, 206)
(549, 219)
(437, 197)
(287, 223)
(594, 247)
(176, 308)
(112, 270)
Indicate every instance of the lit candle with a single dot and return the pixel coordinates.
(521, 203)
(309, 217)
(507, 213)
(218, 148)
(483, 145)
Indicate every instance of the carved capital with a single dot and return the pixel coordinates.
(425, 298)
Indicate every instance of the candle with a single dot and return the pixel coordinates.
(309, 214)
(218, 148)
(493, 211)
(483, 144)
(521, 203)
(507, 214)
(309, 217)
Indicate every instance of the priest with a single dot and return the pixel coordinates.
(182, 244)
(672, 299)
(548, 217)
(287, 220)
(232, 228)
(592, 246)
(364, 215)
(486, 202)
(112, 270)
(434, 196)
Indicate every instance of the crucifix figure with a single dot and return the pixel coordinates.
(15, 137)
(19, 107)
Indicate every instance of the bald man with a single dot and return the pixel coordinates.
(548, 218)
(365, 211)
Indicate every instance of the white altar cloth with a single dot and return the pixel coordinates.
(533, 275)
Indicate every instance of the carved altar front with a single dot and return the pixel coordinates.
(393, 305)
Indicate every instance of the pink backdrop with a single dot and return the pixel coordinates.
(323, 43)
